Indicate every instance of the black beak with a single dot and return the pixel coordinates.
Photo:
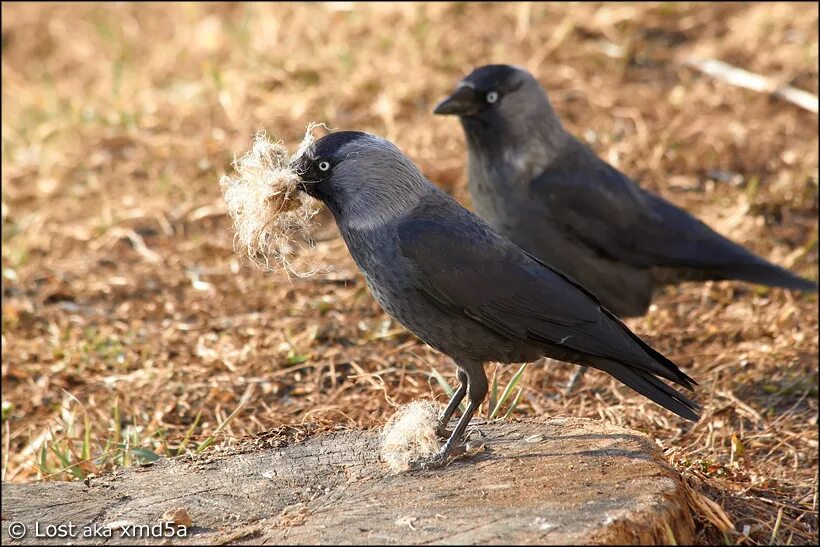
(307, 183)
(463, 102)
(299, 165)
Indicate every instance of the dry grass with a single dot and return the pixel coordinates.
(263, 200)
(131, 328)
(410, 435)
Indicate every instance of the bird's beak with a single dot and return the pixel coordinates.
(299, 165)
(463, 102)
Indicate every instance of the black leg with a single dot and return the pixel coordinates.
(458, 396)
(477, 387)
(575, 380)
(455, 437)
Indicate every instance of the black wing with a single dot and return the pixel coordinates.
(466, 267)
(602, 208)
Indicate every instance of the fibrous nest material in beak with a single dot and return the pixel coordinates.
(267, 208)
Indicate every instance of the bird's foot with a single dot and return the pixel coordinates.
(440, 459)
(443, 433)
(447, 455)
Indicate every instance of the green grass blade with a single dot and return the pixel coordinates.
(212, 438)
(493, 401)
(508, 390)
(85, 453)
(117, 424)
(445, 385)
(43, 463)
(188, 434)
(65, 461)
(514, 403)
(145, 454)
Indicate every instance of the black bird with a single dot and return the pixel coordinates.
(465, 290)
(551, 195)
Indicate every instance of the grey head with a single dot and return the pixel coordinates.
(363, 179)
(505, 112)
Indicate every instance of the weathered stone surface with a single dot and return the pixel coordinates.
(555, 481)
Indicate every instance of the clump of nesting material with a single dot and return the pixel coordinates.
(266, 207)
(410, 435)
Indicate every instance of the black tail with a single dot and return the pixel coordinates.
(648, 385)
(764, 273)
(680, 241)
(616, 350)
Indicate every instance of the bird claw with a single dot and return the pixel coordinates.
(444, 456)
(435, 461)
(441, 458)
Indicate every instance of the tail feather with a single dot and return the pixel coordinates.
(645, 383)
(680, 377)
(657, 364)
(680, 241)
(764, 273)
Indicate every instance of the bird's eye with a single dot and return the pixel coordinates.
(492, 97)
(324, 166)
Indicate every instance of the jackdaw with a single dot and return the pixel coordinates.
(463, 288)
(551, 195)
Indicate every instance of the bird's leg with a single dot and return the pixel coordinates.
(458, 396)
(443, 454)
(477, 387)
(575, 380)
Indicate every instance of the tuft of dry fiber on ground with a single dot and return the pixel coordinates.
(410, 435)
(263, 200)
(128, 316)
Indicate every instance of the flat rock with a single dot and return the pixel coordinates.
(554, 481)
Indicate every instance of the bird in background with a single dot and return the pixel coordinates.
(551, 195)
(464, 289)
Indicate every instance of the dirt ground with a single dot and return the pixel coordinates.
(131, 329)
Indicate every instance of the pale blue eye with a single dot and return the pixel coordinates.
(324, 166)
(492, 97)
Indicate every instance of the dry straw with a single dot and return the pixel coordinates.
(267, 209)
